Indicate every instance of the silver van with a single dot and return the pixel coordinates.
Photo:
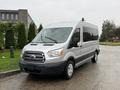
(60, 48)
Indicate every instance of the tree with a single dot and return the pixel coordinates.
(9, 35)
(1, 39)
(31, 32)
(117, 32)
(2, 30)
(22, 41)
(108, 28)
(9, 39)
(40, 28)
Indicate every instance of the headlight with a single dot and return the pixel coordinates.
(56, 53)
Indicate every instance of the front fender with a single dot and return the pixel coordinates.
(68, 55)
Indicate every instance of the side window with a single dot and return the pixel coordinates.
(89, 34)
(75, 38)
(94, 34)
(86, 34)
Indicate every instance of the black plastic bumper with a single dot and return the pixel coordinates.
(51, 68)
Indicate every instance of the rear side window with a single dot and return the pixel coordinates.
(90, 34)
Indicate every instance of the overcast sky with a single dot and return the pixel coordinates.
(50, 11)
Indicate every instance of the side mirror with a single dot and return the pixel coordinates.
(74, 42)
(79, 44)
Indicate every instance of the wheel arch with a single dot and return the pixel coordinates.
(71, 58)
(97, 51)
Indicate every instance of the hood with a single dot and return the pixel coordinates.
(43, 46)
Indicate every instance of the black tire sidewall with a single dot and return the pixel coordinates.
(66, 70)
(94, 60)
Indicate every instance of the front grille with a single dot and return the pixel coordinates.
(34, 56)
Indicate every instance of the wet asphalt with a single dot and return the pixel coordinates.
(105, 75)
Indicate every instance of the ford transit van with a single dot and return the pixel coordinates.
(60, 48)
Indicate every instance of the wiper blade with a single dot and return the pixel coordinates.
(51, 39)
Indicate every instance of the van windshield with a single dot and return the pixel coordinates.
(53, 35)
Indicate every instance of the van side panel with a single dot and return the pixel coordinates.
(87, 48)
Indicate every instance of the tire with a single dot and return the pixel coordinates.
(33, 75)
(95, 58)
(69, 70)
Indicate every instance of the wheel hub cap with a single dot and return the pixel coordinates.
(70, 69)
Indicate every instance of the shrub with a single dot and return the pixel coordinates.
(40, 28)
(31, 32)
(9, 35)
(22, 41)
(2, 31)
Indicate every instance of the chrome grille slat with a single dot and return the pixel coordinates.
(34, 56)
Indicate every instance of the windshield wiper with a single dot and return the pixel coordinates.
(51, 39)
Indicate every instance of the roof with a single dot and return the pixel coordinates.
(70, 24)
(61, 24)
(11, 11)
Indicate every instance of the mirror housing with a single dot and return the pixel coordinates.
(79, 44)
(75, 41)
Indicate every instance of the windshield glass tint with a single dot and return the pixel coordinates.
(53, 35)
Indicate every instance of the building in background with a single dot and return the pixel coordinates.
(14, 16)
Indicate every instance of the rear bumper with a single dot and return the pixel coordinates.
(49, 68)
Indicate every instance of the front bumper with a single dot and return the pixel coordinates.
(38, 68)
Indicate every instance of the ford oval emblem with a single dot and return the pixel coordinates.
(33, 56)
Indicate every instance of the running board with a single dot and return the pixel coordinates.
(82, 62)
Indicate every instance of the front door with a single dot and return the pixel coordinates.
(73, 46)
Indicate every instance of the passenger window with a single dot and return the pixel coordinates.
(90, 34)
(75, 38)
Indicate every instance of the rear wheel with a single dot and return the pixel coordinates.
(69, 70)
(95, 58)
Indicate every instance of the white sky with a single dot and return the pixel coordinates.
(50, 11)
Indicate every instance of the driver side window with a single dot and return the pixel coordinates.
(75, 38)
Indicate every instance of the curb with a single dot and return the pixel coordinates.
(9, 73)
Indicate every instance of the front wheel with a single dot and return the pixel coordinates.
(95, 58)
(69, 70)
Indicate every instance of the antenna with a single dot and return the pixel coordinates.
(83, 19)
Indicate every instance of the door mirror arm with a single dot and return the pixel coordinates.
(79, 44)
